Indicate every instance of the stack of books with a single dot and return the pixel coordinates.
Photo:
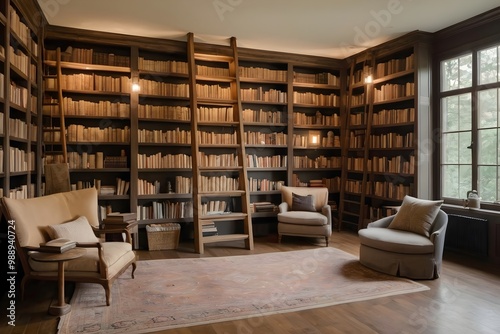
(316, 183)
(120, 218)
(264, 207)
(209, 229)
(59, 245)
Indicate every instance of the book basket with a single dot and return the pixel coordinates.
(163, 236)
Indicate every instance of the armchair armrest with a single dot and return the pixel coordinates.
(283, 207)
(382, 222)
(327, 211)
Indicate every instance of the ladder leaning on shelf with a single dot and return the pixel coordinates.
(236, 217)
(56, 167)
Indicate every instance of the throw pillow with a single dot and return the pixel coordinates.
(416, 215)
(78, 230)
(303, 203)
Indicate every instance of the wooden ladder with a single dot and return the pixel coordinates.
(53, 108)
(365, 129)
(240, 210)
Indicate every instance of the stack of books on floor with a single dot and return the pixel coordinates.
(209, 229)
(59, 245)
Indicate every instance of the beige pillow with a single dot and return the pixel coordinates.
(416, 215)
(78, 230)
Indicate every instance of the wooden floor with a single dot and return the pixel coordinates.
(465, 299)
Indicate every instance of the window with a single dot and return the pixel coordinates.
(470, 125)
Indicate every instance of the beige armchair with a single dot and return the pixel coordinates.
(72, 215)
(304, 212)
(408, 244)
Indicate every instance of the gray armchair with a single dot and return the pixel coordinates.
(304, 212)
(403, 253)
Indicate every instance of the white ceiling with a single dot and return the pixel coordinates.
(330, 28)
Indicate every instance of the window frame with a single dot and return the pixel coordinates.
(474, 90)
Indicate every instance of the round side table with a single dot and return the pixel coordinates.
(61, 258)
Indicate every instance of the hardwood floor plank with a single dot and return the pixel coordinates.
(465, 299)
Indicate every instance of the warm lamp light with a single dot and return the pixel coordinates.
(314, 139)
(369, 79)
(136, 87)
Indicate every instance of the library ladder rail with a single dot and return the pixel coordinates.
(54, 135)
(235, 218)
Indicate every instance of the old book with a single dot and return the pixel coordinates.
(59, 245)
(120, 216)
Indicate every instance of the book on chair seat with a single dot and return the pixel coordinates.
(59, 245)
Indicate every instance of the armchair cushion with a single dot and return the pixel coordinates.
(78, 230)
(395, 241)
(416, 215)
(303, 218)
(303, 203)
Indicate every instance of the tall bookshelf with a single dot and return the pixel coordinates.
(96, 89)
(264, 94)
(164, 157)
(316, 121)
(394, 114)
(19, 56)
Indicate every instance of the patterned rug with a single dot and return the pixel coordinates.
(185, 292)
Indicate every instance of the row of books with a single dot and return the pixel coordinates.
(318, 118)
(21, 29)
(176, 136)
(213, 114)
(275, 161)
(393, 116)
(392, 140)
(89, 56)
(397, 164)
(183, 185)
(318, 162)
(263, 73)
(393, 91)
(395, 65)
(19, 129)
(218, 183)
(178, 113)
(165, 210)
(263, 207)
(217, 160)
(264, 184)
(327, 100)
(91, 82)
(87, 108)
(20, 160)
(166, 66)
(259, 94)
(317, 78)
(331, 140)
(20, 60)
(213, 91)
(217, 138)
(151, 87)
(263, 116)
(211, 71)
(260, 138)
(18, 95)
(158, 160)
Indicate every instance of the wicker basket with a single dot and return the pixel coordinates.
(163, 236)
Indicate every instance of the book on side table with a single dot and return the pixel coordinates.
(59, 245)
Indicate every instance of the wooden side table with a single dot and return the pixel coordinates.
(61, 258)
(129, 227)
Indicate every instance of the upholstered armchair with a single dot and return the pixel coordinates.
(304, 212)
(70, 215)
(409, 243)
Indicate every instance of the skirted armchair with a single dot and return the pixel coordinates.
(408, 244)
(304, 212)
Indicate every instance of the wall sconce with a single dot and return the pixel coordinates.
(368, 75)
(314, 138)
(136, 87)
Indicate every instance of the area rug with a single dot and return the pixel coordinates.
(174, 293)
